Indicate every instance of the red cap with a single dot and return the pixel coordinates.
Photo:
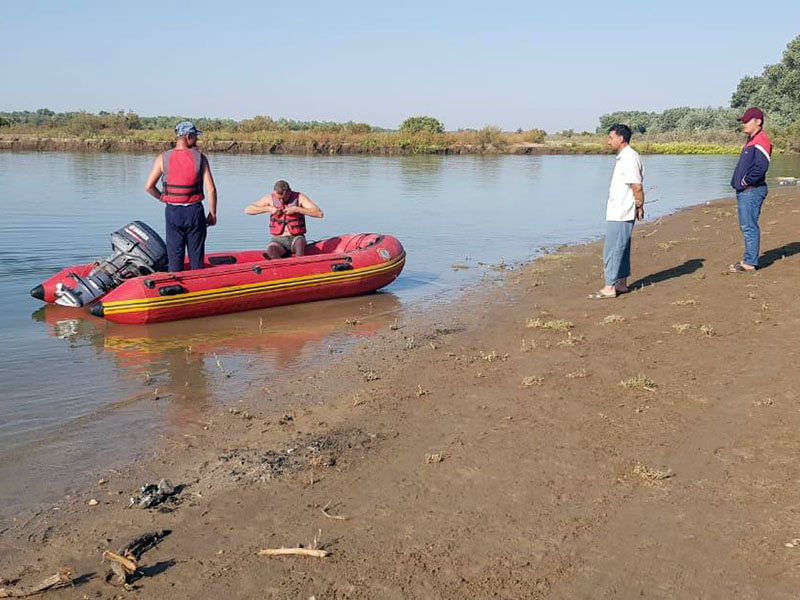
(752, 113)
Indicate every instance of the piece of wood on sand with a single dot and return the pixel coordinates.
(125, 561)
(61, 579)
(328, 515)
(294, 552)
(122, 566)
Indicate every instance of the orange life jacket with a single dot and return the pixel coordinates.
(182, 179)
(280, 220)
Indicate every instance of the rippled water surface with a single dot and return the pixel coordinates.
(77, 394)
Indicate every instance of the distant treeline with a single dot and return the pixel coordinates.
(776, 91)
(83, 123)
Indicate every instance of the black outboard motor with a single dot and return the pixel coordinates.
(138, 250)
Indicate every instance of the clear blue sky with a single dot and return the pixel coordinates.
(527, 64)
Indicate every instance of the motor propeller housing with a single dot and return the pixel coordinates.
(138, 250)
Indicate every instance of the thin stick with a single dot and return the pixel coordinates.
(325, 512)
(61, 579)
(294, 552)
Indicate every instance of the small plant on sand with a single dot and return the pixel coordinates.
(527, 346)
(532, 380)
(492, 356)
(665, 246)
(707, 330)
(682, 327)
(421, 391)
(652, 475)
(699, 276)
(371, 376)
(434, 458)
(640, 382)
(610, 319)
(690, 302)
(580, 374)
(557, 324)
(571, 340)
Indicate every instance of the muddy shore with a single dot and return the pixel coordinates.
(490, 449)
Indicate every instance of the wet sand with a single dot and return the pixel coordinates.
(489, 449)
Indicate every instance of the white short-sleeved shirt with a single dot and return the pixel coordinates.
(628, 169)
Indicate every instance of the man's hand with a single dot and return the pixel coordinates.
(211, 219)
(292, 210)
(638, 199)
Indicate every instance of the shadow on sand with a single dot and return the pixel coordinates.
(770, 256)
(690, 266)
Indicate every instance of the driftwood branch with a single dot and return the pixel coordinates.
(125, 562)
(61, 579)
(325, 512)
(294, 552)
(122, 567)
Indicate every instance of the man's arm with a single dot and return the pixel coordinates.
(758, 168)
(305, 207)
(261, 206)
(211, 190)
(638, 196)
(152, 178)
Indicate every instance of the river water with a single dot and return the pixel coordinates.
(79, 396)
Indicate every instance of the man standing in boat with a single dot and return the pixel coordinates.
(287, 219)
(184, 171)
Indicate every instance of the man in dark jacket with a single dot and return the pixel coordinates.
(749, 181)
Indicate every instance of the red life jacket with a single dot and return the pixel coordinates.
(182, 179)
(296, 222)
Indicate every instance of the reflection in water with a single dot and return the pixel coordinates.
(175, 355)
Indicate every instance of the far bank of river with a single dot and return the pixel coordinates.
(383, 144)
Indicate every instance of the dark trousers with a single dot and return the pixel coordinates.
(186, 230)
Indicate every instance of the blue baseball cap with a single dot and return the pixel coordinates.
(185, 128)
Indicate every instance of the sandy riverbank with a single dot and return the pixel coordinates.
(487, 449)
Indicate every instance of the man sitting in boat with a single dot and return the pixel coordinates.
(287, 219)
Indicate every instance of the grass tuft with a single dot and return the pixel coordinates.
(556, 324)
(532, 380)
(652, 475)
(690, 302)
(639, 382)
(608, 320)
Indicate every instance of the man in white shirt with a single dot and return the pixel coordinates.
(625, 205)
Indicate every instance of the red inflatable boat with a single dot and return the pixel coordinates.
(340, 266)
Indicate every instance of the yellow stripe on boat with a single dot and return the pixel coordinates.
(237, 291)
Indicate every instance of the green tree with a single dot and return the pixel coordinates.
(776, 90)
(639, 121)
(422, 124)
